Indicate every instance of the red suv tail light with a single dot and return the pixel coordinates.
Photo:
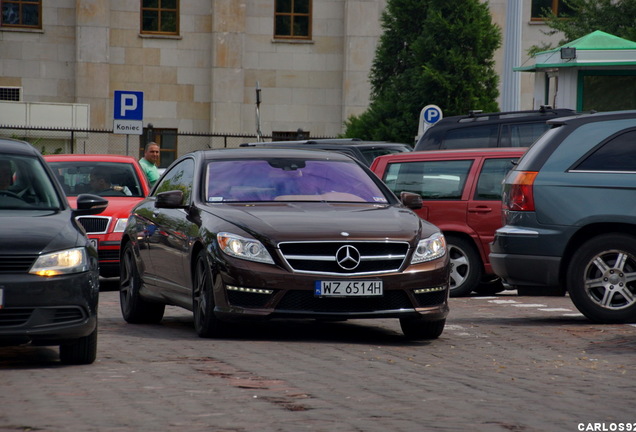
(519, 196)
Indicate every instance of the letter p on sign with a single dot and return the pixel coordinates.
(128, 105)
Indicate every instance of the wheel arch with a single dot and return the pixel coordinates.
(586, 233)
(469, 238)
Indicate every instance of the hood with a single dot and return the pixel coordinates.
(34, 232)
(119, 207)
(325, 221)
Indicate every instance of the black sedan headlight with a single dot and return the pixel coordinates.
(61, 262)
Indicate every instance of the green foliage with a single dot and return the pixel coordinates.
(431, 51)
(615, 17)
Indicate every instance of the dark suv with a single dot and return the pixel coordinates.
(570, 216)
(478, 130)
(364, 151)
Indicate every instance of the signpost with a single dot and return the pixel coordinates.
(429, 115)
(128, 113)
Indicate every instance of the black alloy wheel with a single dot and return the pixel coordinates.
(206, 324)
(134, 308)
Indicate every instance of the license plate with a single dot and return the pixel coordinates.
(348, 288)
(94, 242)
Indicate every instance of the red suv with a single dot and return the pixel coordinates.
(461, 190)
(127, 187)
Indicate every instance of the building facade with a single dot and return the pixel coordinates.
(199, 62)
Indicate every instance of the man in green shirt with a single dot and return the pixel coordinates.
(149, 163)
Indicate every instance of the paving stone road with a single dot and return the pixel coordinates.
(503, 363)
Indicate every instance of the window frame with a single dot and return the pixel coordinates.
(20, 4)
(556, 5)
(292, 15)
(160, 10)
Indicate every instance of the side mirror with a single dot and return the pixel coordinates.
(411, 200)
(170, 199)
(88, 204)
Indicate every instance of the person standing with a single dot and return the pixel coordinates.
(149, 163)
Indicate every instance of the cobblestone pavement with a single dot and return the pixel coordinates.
(503, 363)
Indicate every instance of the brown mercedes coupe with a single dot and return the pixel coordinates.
(277, 233)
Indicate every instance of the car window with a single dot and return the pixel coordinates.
(471, 137)
(74, 176)
(290, 180)
(25, 184)
(617, 154)
(180, 177)
(430, 179)
(371, 153)
(492, 173)
(521, 134)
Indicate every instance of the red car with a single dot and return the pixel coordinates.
(127, 187)
(461, 190)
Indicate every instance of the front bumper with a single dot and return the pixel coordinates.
(48, 311)
(250, 290)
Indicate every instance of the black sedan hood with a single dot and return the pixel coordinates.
(32, 232)
(324, 221)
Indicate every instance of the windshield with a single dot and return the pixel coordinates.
(290, 180)
(25, 184)
(108, 178)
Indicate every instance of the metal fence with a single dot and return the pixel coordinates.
(51, 140)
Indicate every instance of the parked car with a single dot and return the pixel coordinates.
(281, 233)
(461, 192)
(128, 187)
(364, 151)
(480, 130)
(49, 280)
(570, 217)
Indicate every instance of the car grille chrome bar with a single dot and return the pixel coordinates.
(344, 257)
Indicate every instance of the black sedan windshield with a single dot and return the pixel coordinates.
(290, 180)
(25, 184)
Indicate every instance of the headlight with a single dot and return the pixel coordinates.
(120, 225)
(61, 262)
(244, 248)
(430, 248)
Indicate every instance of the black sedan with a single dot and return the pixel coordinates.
(279, 233)
(49, 276)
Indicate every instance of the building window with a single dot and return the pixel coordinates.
(21, 13)
(541, 8)
(160, 17)
(13, 94)
(167, 141)
(292, 19)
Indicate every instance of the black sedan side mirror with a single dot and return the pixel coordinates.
(170, 199)
(88, 204)
(411, 200)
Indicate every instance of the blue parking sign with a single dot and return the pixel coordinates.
(129, 105)
(431, 114)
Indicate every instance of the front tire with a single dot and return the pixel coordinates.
(419, 329)
(466, 266)
(80, 351)
(134, 308)
(601, 278)
(206, 324)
